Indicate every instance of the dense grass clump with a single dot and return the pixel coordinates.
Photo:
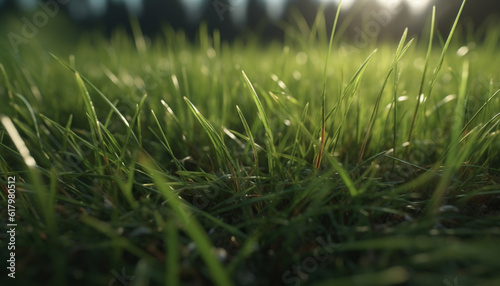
(169, 162)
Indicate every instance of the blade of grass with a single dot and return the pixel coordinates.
(140, 43)
(136, 119)
(297, 135)
(7, 81)
(323, 92)
(424, 73)
(479, 111)
(94, 124)
(251, 139)
(344, 175)
(172, 269)
(167, 144)
(28, 160)
(396, 275)
(452, 162)
(230, 228)
(269, 133)
(45, 199)
(400, 51)
(439, 65)
(173, 255)
(102, 95)
(223, 155)
(348, 94)
(127, 186)
(318, 30)
(66, 132)
(118, 240)
(33, 117)
(395, 113)
(190, 224)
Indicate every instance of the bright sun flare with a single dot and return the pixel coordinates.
(416, 6)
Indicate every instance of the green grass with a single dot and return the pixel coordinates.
(241, 163)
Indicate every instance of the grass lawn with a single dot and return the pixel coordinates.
(137, 161)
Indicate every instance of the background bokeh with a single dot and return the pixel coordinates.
(233, 17)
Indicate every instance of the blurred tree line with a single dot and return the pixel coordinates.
(216, 13)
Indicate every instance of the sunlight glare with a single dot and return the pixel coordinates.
(390, 4)
(415, 6)
(194, 9)
(346, 4)
(275, 9)
(238, 12)
(418, 6)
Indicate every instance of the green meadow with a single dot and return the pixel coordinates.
(307, 161)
